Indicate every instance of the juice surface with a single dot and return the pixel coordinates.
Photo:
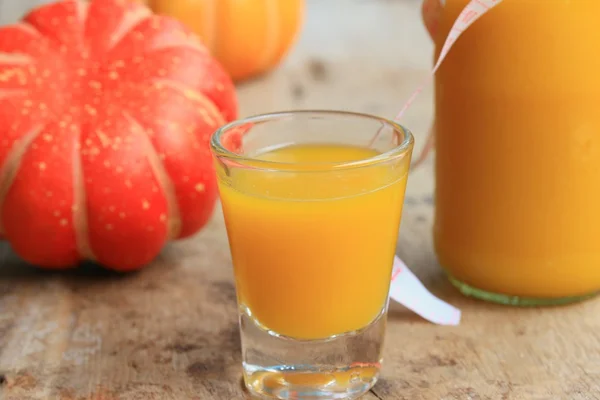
(313, 249)
(518, 149)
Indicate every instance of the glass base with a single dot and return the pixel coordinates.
(341, 367)
(517, 301)
(301, 382)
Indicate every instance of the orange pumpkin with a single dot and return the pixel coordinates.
(248, 37)
(105, 115)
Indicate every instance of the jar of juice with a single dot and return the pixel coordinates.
(517, 216)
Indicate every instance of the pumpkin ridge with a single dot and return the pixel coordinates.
(11, 164)
(164, 180)
(189, 45)
(184, 39)
(16, 59)
(210, 27)
(195, 96)
(13, 67)
(27, 27)
(273, 35)
(79, 209)
(128, 23)
(82, 9)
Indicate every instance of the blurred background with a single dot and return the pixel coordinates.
(360, 55)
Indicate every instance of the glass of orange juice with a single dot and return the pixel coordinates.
(312, 202)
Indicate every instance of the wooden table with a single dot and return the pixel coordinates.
(169, 331)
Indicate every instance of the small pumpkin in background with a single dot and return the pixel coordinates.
(248, 37)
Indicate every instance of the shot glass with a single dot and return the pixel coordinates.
(312, 202)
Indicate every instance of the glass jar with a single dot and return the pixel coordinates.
(517, 216)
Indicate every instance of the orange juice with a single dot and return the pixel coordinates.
(313, 248)
(518, 150)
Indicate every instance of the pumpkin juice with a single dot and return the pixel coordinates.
(313, 249)
(518, 150)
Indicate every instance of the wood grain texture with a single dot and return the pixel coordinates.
(170, 332)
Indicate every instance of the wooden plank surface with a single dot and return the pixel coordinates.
(169, 331)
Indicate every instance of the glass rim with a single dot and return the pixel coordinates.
(255, 163)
